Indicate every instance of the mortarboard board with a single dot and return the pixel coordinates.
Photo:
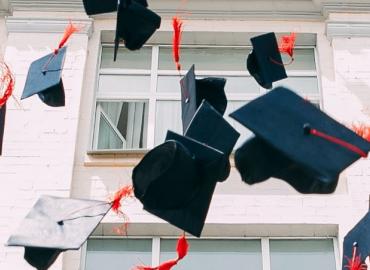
(356, 244)
(55, 225)
(208, 126)
(264, 63)
(194, 91)
(176, 180)
(45, 79)
(310, 148)
(2, 125)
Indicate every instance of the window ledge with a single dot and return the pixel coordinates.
(120, 158)
(114, 158)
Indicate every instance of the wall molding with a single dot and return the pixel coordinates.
(35, 25)
(328, 8)
(347, 29)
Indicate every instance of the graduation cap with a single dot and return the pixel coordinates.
(45, 79)
(55, 225)
(264, 63)
(295, 142)
(356, 244)
(193, 92)
(175, 181)
(135, 22)
(93, 7)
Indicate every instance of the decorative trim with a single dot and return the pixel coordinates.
(328, 8)
(35, 25)
(347, 29)
(47, 5)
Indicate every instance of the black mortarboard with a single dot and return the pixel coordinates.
(93, 7)
(135, 24)
(55, 225)
(358, 240)
(176, 180)
(45, 79)
(2, 125)
(296, 142)
(208, 126)
(194, 91)
(264, 63)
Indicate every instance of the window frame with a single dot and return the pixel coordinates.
(152, 96)
(265, 246)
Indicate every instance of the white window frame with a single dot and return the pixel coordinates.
(152, 96)
(265, 247)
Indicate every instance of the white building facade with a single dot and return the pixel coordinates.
(116, 111)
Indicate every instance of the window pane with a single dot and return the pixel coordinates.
(302, 254)
(168, 117)
(304, 59)
(216, 254)
(302, 85)
(244, 132)
(124, 125)
(206, 58)
(126, 59)
(234, 84)
(123, 83)
(117, 254)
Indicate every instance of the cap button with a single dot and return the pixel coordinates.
(306, 128)
(187, 100)
(60, 222)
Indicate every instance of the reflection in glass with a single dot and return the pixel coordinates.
(122, 125)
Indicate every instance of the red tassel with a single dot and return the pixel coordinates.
(70, 29)
(287, 43)
(124, 192)
(177, 25)
(182, 250)
(362, 130)
(6, 83)
(355, 262)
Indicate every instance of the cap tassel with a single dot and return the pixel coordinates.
(6, 83)
(182, 250)
(355, 262)
(121, 194)
(286, 45)
(362, 130)
(177, 28)
(69, 30)
(308, 130)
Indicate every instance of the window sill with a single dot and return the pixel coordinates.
(120, 158)
(114, 158)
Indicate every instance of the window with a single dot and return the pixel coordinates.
(138, 96)
(217, 254)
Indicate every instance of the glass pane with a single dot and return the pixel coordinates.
(302, 254)
(304, 59)
(168, 117)
(140, 59)
(216, 254)
(244, 132)
(205, 58)
(124, 125)
(302, 85)
(117, 254)
(108, 138)
(234, 84)
(123, 83)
